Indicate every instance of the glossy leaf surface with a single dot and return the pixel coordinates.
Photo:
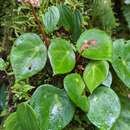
(104, 108)
(75, 88)
(95, 73)
(123, 122)
(28, 56)
(23, 119)
(53, 107)
(121, 60)
(62, 56)
(102, 50)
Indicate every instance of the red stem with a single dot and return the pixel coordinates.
(41, 29)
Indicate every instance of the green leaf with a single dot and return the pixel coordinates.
(27, 118)
(28, 56)
(51, 19)
(76, 28)
(53, 107)
(71, 21)
(102, 14)
(104, 108)
(121, 60)
(103, 48)
(108, 80)
(75, 87)
(66, 17)
(12, 123)
(62, 56)
(2, 64)
(95, 73)
(21, 89)
(123, 122)
(23, 119)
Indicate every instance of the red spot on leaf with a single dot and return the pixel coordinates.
(87, 43)
(93, 42)
(85, 46)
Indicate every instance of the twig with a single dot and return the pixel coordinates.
(45, 38)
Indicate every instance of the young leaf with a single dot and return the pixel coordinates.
(75, 87)
(23, 119)
(62, 56)
(2, 64)
(28, 56)
(71, 21)
(76, 28)
(104, 108)
(123, 121)
(102, 50)
(108, 80)
(66, 17)
(21, 89)
(95, 73)
(53, 107)
(51, 19)
(121, 60)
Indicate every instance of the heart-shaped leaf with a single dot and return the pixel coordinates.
(121, 60)
(95, 73)
(23, 119)
(62, 56)
(104, 108)
(53, 107)
(51, 19)
(101, 50)
(28, 56)
(75, 87)
(123, 122)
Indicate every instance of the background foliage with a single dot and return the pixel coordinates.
(112, 16)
